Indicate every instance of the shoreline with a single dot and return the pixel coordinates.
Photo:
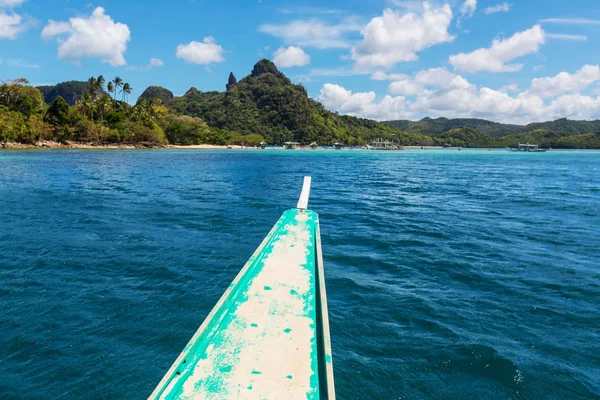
(51, 145)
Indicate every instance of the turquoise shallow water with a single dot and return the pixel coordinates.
(450, 275)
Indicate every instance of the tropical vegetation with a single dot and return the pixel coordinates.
(263, 106)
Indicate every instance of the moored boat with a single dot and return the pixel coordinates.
(291, 145)
(383, 145)
(528, 148)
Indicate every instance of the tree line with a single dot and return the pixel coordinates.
(101, 115)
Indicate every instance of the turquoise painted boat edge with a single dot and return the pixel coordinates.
(322, 380)
(162, 385)
(327, 359)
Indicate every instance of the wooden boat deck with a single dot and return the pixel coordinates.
(268, 336)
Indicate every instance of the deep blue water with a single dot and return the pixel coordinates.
(450, 275)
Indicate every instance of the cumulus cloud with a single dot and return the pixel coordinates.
(291, 57)
(365, 105)
(504, 7)
(510, 88)
(433, 77)
(468, 8)
(440, 93)
(395, 37)
(502, 52)
(383, 76)
(204, 53)
(313, 33)
(96, 36)
(11, 23)
(565, 82)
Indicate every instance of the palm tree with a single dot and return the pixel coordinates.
(93, 85)
(100, 81)
(118, 82)
(110, 88)
(103, 103)
(86, 105)
(126, 90)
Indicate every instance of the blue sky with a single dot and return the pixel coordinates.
(514, 61)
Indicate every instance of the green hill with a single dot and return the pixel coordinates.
(71, 91)
(156, 92)
(267, 103)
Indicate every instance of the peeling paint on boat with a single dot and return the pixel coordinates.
(261, 341)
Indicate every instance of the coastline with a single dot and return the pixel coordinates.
(51, 145)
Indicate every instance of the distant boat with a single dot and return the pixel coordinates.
(291, 145)
(383, 145)
(338, 146)
(313, 145)
(263, 145)
(528, 148)
(446, 145)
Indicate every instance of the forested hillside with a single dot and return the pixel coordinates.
(263, 106)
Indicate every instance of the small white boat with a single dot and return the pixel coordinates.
(383, 145)
(291, 145)
(528, 148)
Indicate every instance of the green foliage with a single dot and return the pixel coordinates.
(156, 92)
(464, 137)
(184, 130)
(263, 106)
(12, 125)
(266, 103)
(18, 96)
(58, 113)
(115, 119)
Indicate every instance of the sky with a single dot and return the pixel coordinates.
(513, 62)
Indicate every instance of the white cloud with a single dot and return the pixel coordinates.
(10, 25)
(95, 36)
(565, 82)
(291, 57)
(562, 36)
(571, 21)
(10, 3)
(383, 76)
(396, 37)
(405, 88)
(468, 8)
(510, 88)
(504, 7)
(156, 62)
(365, 105)
(313, 33)
(497, 57)
(443, 94)
(203, 53)
(441, 78)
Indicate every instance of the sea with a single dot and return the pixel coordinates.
(469, 274)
